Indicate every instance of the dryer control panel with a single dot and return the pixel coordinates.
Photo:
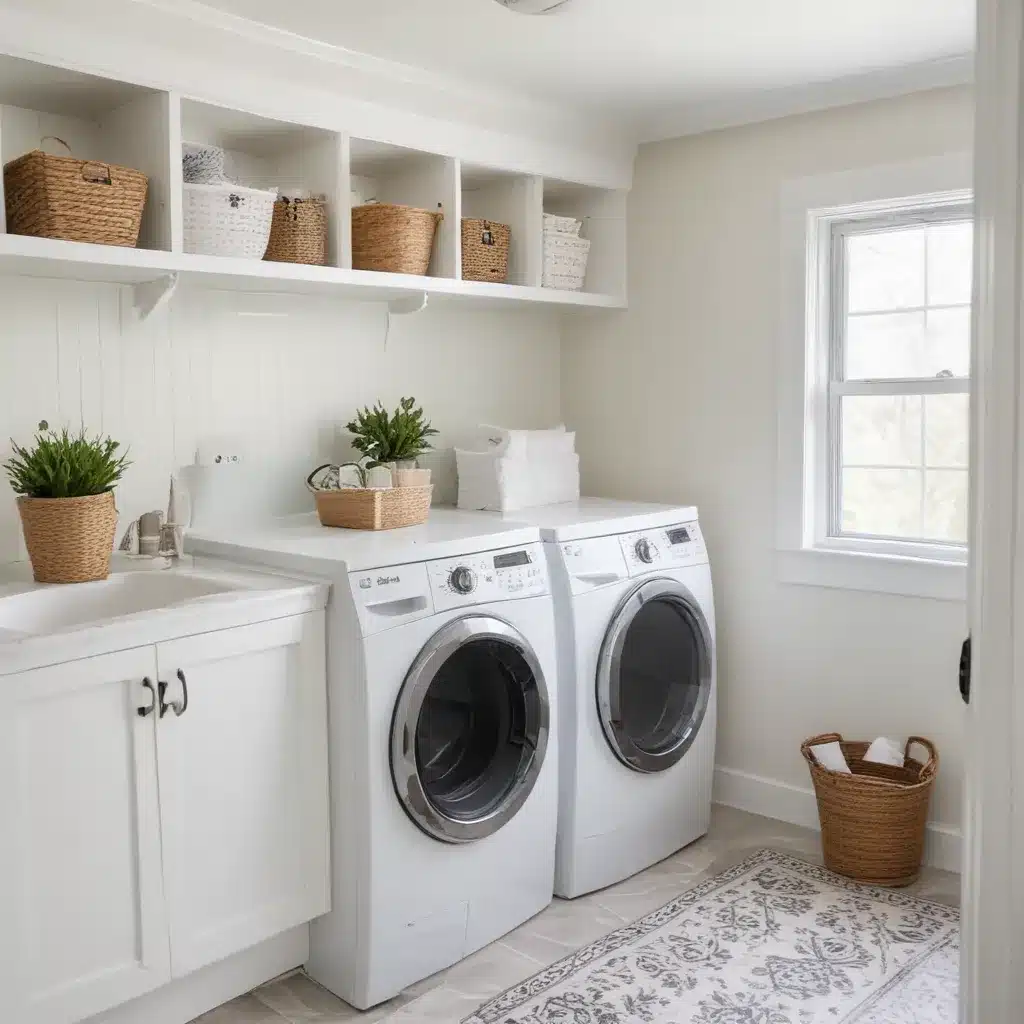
(492, 576)
(666, 547)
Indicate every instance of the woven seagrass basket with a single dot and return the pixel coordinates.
(394, 239)
(358, 508)
(485, 250)
(873, 821)
(69, 540)
(298, 232)
(76, 200)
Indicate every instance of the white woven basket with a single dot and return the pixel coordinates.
(565, 261)
(227, 220)
(202, 164)
(562, 225)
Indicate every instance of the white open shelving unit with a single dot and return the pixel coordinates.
(118, 122)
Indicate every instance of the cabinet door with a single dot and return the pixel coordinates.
(82, 922)
(243, 786)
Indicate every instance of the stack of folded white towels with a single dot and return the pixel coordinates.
(507, 470)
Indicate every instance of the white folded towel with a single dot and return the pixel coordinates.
(830, 756)
(500, 484)
(527, 444)
(886, 751)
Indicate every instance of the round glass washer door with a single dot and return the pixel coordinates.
(470, 730)
(654, 676)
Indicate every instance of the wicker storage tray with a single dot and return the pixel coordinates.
(298, 231)
(873, 821)
(485, 250)
(356, 508)
(394, 239)
(77, 200)
(69, 540)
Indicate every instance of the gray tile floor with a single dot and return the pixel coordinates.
(564, 926)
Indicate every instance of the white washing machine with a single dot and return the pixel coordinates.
(443, 738)
(635, 621)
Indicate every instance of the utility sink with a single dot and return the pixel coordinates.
(55, 609)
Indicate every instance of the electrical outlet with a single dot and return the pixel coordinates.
(226, 458)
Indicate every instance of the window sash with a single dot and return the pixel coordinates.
(839, 387)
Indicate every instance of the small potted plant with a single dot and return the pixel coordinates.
(64, 484)
(395, 440)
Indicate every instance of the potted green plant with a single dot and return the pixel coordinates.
(64, 484)
(394, 439)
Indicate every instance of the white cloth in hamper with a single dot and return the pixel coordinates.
(886, 751)
(527, 444)
(496, 483)
(830, 755)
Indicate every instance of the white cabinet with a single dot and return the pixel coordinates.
(82, 913)
(137, 847)
(243, 787)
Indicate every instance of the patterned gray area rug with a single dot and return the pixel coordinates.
(772, 941)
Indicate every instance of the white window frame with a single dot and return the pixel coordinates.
(807, 554)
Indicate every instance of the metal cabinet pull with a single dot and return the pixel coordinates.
(144, 712)
(179, 707)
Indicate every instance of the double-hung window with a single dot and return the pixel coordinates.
(899, 330)
(874, 378)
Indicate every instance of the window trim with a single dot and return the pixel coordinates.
(809, 209)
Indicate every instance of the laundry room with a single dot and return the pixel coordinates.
(490, 523)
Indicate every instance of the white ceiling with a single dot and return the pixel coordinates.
(651, 63)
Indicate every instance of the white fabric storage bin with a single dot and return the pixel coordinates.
(494, 483)
(562, 225)
(565, 261)
(527, 443)
(227, 220)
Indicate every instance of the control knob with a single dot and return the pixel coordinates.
(645, 550)
(462, 580)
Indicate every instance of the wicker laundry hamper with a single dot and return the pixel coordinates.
(873, 820)
(75, 200)
(69, 540)
(485, 250)
(298, 231)
(394, 239)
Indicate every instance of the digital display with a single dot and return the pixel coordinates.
(679, 536)
(511, 560)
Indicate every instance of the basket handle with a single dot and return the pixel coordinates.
(309, 479)
(97, 173)
(440, 213)
(825, 737)
(932, 764)
(56, 138)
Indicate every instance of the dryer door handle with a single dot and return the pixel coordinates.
(399, 607)
(600, 579)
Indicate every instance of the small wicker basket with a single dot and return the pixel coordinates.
(393, 239)
(358, 508)
(873, 821)
(76, 200)
(69, 540)
(298, 231)
(485, 250)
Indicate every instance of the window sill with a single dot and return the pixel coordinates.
(880, 574)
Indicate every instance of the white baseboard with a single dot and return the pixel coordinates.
(797, 806)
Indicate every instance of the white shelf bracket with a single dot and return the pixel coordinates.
(149, 296)
(408, 304)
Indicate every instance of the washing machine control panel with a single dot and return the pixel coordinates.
(491, 576)
(663, 548)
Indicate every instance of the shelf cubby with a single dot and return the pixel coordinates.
(603, 213)
(100, 119)
(513, 199)
(391, 174)
(261, 152)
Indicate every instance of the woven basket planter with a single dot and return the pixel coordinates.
(298, 232)
(873, 821)
(356, 508)
(69, 540)
(76, 200)
(393, 239)
(485, 250)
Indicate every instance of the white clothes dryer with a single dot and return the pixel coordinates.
(443, 738)
(635, 621)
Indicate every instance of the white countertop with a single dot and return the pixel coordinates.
(597, 517)
(253, 597)
(301, 543)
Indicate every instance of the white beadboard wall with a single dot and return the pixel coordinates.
(274, 376)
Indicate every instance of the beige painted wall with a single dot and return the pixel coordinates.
(676, 401)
